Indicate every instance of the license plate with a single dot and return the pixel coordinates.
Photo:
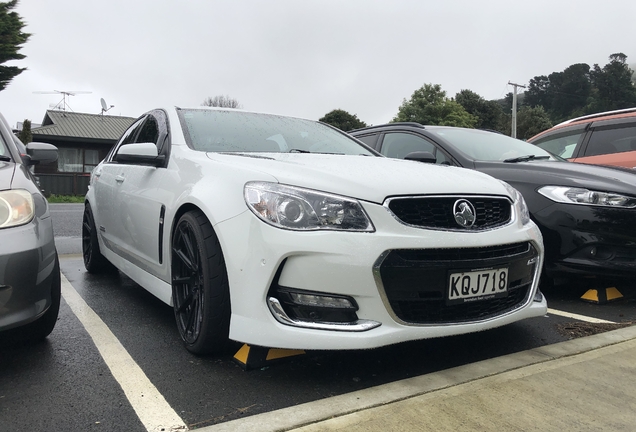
(477, 285)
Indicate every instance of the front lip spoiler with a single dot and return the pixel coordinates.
(357, 326)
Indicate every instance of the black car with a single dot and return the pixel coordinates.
(30, 286)
(586, 213)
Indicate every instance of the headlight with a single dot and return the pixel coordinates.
(16, 207)
(301, 209)
(571, 195)
(520, 203)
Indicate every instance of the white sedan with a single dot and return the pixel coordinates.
(287, 233)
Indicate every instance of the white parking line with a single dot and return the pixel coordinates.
(579, 317)
(151, 407)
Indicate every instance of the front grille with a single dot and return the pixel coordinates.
(416, 282)
(437, 212)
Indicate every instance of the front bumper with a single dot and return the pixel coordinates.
(260, 257)
(27, 265)
(586, 241)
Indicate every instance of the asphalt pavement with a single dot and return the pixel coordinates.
(586, 384)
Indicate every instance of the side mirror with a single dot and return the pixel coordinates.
(140, 153)
(40, 153)
(421, 156)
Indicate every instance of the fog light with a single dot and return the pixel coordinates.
(321, 301)
(316, 306)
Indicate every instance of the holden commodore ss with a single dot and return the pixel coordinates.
(283, 232)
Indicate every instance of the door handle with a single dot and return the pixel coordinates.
(119, 179)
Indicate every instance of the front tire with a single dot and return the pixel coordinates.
(94, 261)
(200, 288)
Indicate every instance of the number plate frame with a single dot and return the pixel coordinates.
(476, 285)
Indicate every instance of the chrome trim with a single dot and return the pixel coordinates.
(358, 326)
(534, 288)
(513, 212)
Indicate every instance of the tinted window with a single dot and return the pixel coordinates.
(399, 145)
(608, 141)
(149, 131)
(369, 140)
(236, 131)
(129, 136)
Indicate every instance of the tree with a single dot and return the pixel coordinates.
(488, 113)
(221, 101)
(613, 84)
(25, 134)
(343, 120)
(11, 40)
(531, 121)
(562, 94)
(571, 91)
(429, 105)
(538, 92)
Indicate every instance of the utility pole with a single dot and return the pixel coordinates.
(514, 109)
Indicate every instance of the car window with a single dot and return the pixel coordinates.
(399, 145)
(488, 146)
(238, 131)
(369, 140)
(128, 137)
(149, 131)
(562, 144)
(611, 140)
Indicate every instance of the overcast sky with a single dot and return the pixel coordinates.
(300, 57)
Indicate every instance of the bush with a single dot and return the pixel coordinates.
(76, 199)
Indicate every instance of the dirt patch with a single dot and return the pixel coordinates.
(581, 329)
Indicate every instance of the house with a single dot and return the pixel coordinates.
(82, 140)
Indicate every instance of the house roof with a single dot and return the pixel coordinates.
(73, 126)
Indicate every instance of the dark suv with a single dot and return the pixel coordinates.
(607, 138)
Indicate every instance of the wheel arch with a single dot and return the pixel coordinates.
(186, 207)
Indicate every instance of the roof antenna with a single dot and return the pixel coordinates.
(104, 106)
(63, 104)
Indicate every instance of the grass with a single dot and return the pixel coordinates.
(75, 199)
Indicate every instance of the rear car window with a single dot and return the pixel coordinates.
(611, 140)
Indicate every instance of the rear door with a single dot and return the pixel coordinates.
(610, 143)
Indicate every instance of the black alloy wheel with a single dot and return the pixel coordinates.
(200, 289)
(94, 261)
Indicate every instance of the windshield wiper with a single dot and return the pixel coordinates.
(295, 150)
(4, 158)
(526, 158)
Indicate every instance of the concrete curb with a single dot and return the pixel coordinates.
(300, 415)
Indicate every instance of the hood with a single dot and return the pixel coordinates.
(364, 177)
(7, 170)
(597, 177)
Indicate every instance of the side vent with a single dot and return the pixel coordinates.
(162, 213)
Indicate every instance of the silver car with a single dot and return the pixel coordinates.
(30, 287)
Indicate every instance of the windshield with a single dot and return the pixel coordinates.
(489, 146)
(237, 131)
